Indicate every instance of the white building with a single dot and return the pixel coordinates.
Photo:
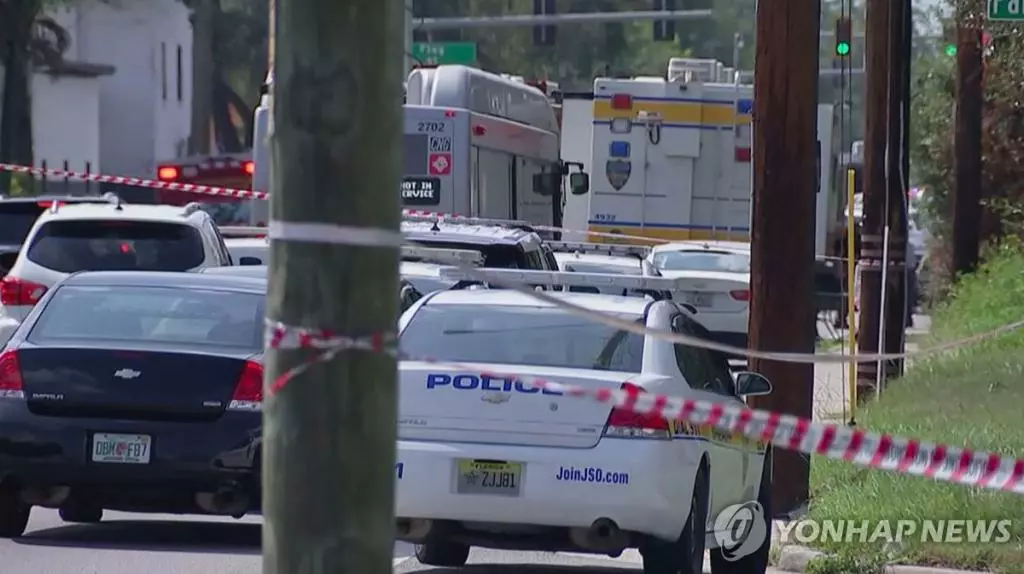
(122, 99)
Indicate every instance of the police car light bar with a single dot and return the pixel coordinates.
(602, 248)
(242, 231)
(459, 220)
(442, 256)
(569, 279)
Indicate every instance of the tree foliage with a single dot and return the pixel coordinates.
(932, 125)
(29, 40)
(583, 51)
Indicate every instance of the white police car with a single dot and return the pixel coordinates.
(423, 266)
(487, 460)
(602, 258)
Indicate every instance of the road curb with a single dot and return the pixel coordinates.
(794, 558)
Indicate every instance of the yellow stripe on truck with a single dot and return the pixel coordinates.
(664, 233)
(707, 113)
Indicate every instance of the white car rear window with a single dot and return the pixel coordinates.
(702, 261)
(513, 335)
(116, 245)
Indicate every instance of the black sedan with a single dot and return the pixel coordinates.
(134, 391)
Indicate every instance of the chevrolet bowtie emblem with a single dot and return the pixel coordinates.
(496, 398)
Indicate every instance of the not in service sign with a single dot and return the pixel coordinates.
(421, 190)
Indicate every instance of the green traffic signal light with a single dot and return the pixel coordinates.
(951, 50)
(843, 48)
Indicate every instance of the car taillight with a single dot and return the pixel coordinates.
(167, 173)
(248, 395)
(10, 376)
(740, 294)
(16, 292)
(624, 423)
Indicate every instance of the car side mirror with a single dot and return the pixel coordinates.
(579, 183)
(751, 384)
(407, 296)
(249, 261)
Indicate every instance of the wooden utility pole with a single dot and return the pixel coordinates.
(876, 115)
(967, 194)
(329, 434)
(897, 187)
(782, 309)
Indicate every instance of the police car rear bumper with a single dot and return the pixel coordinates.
(640, 484)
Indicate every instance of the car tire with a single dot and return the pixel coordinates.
(13, 513)
(757, 562)
(686, 554)
(80, 512)
(446, 554)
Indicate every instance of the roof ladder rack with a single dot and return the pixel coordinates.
(638, 251)
(413, 216)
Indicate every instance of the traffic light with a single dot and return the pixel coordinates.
(544, 35)
(844, 37)
(950, 50)
(664, 30)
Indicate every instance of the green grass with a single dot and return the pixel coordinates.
(972, 397)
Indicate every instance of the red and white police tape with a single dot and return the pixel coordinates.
(872, 450)
(279, 336)
(415, 214)
(329, 233)
(135, 181)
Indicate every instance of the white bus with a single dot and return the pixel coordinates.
(474, 144)
(483, 145)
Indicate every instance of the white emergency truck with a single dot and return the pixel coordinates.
(474, 143)
(675, 155)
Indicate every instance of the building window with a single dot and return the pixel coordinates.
(163, 69)
(181, 91)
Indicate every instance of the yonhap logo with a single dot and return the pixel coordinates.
(740, 530)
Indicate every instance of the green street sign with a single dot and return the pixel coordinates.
(444, 53)
(1012, 10)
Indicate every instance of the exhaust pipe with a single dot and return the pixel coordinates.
(228, 499)
(603, 536)
(413, 530)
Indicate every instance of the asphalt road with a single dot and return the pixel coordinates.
(167, 544)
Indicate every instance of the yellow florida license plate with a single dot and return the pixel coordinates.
(489, 477)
